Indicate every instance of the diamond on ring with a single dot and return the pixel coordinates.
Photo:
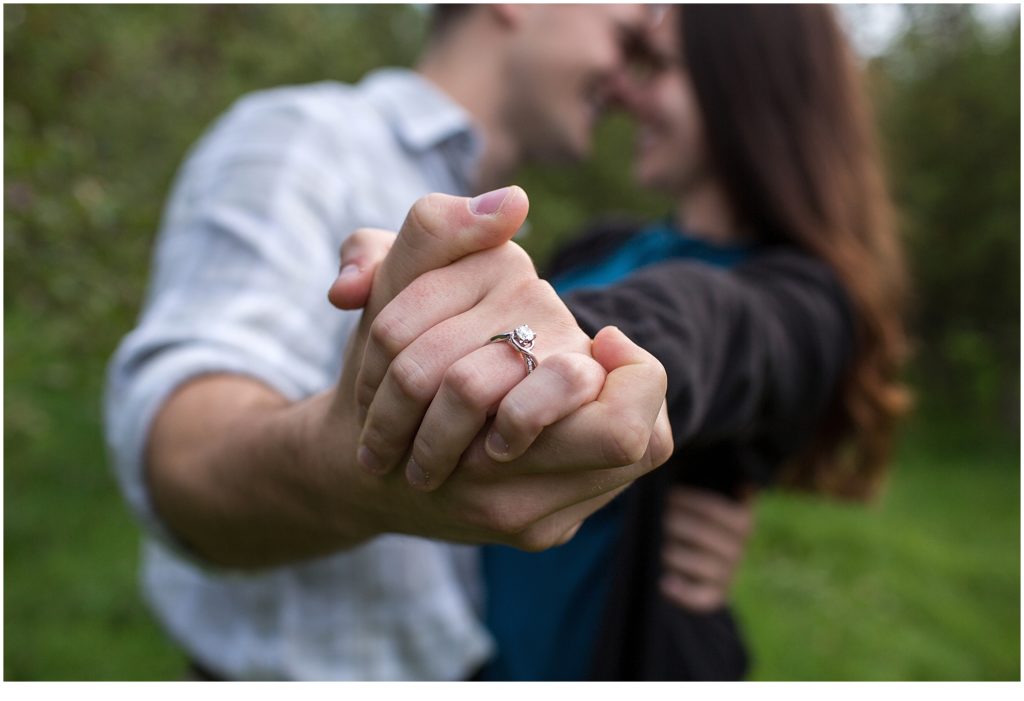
(524, 336)
(521, 338)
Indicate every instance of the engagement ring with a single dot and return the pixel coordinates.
(521, 338)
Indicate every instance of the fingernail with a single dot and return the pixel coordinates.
(489, 202)
(416, 475)
(348, 271)
(369, 460)
(497, 443)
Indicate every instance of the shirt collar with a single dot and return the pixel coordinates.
(422, 116)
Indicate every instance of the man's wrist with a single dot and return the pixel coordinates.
(342, 497)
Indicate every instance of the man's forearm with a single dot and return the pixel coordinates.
(242, 477)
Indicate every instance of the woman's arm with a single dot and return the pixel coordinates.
(755, 351)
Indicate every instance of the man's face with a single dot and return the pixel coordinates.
(560, 71)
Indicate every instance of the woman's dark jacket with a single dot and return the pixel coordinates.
(754, 355)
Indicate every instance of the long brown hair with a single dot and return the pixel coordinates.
(792, 140)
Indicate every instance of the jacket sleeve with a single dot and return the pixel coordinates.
(752, 353)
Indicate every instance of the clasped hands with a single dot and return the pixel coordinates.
(466, 445)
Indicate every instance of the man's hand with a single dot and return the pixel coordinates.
(705, 538)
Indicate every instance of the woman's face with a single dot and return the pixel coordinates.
(670, 154)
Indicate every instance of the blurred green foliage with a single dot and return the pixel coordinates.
(949, 104)
(101, 103)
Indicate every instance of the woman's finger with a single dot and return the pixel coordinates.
(434, 297)
(559, 386)
(470, 390)
(688, 561)
(415, 376)
(410, 383)
(735, 516)
(685, 528)
(626, 426)
(694, 596)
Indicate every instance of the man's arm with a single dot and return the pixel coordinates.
(241, 476)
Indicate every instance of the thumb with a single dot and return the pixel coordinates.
(614, 350)
(361, 254)
(440, 229)
(637, 381)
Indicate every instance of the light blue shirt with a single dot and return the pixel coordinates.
(247, 250)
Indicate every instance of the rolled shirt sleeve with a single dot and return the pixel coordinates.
(246, 253)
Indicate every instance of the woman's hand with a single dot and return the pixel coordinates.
(577, 465)
(705, 538)
(429, 377)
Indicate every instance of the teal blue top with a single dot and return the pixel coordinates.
(544, 609)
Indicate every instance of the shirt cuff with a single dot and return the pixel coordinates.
(131, 405)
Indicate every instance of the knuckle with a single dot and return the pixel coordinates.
(662, 444)
(583, 376)
(365, 393)
(513, 257)
(535, 540)
(350, 245)
(425, 216)
(468, 385)
(505, 519)
(540, 297)
(626, 441)
(411, 379)
(536, 291)
(389, 333)
(374, 439)
(706, 599)
(359, 237)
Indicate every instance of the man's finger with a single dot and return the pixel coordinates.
(361, 254)
(441, 229)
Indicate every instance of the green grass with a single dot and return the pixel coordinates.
(923, 585)
(71, 604)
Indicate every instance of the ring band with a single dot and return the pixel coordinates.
(521, 338)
